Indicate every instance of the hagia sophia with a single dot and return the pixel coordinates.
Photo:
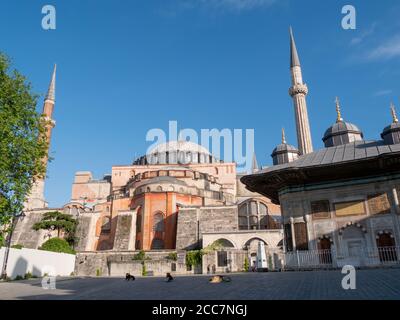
(340, 201)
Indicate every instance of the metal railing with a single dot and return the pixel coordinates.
(331, 258)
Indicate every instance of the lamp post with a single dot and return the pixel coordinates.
(9, 237)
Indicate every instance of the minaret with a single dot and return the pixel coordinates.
(48, 107)
(298, 92)
(36, 198)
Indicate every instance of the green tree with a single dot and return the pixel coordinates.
(23, 144)
(56, 220)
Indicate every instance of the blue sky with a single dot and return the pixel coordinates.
(125, 67)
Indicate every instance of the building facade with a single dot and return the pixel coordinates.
(340, 204)
(176, 198)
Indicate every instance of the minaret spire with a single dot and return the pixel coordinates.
(298, 92)
(51, 92)
(394, 115)
(339, 115)
(294, 57)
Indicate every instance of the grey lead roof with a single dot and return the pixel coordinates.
(339, 128)
(357, 150)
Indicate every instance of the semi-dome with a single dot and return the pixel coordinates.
(177, 152)
(284, 153)
(341, 132)
(391, 134)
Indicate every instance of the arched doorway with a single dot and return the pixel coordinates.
(252, 247)
(354, 243)
(386, 247)
(325, 253)
(223, 255)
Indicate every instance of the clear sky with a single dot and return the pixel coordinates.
(125, 67)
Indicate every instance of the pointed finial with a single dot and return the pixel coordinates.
(394, 115)
(294, 57)
(283, 136)
(339, 115)
(51, 93)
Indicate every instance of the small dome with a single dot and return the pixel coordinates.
(391, 134)
(284, 153)
(342, 133)
(284, 147)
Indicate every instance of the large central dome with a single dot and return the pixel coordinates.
(177, 152)
(186, 146)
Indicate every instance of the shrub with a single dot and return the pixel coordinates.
(246, 264)
(194, 258)
(17, 246)
(18, 277)
(172, 256)
(144, 270)
(57, 245)
(141, 256)
(28, 275)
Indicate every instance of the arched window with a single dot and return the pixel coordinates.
(254, 215)
(263, 209)
(386, 247)
(159, 188)
(243, 223)
(158, 222)
(253, 208)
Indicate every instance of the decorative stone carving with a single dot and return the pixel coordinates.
(298, 89)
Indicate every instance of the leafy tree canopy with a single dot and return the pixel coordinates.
(56, 220)
(22, 142)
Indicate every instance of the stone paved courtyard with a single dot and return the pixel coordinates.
(371, 284)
